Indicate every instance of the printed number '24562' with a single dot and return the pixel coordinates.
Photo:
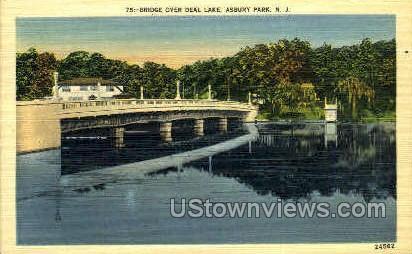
(382, 246)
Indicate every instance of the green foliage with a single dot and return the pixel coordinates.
(288, 78)
(158, 81)
(34, 74)
(369, 116)
(355, 90)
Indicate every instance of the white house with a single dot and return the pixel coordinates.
(85, 89)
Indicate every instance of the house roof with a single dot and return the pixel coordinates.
(87, 82)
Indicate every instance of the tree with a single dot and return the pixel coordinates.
(363, 75)
(34, 74)
(25, 66)
(355, 90)
(75, 65)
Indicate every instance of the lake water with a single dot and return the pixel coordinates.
(89, 192)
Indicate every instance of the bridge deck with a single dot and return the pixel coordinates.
(110, 107)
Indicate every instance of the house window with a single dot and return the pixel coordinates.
(65, 88)
(109, 88)
(93, 88)
(83, 88)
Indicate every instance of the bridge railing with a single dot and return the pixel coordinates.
(73, 105)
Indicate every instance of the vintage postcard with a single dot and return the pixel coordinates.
(218, 127)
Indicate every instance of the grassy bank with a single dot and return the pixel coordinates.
(317, 114)
(310, 114)
(382, 117)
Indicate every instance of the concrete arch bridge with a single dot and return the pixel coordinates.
(40, 124)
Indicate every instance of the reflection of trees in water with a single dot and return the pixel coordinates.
(294, 163)
(289, 161)
(370, 160)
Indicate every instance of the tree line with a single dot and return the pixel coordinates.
(287, 78)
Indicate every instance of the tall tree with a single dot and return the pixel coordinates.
(355, 90)
(34, 74)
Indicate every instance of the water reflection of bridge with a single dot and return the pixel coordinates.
(363, 164)
(140, 168)
(279, 161)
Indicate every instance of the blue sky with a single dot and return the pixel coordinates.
(177, 40)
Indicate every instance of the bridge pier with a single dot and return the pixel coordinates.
(166, 131)
(118, 137)
(199, 127)
(251, 116)
(222, 124)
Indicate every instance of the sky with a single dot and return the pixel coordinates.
(179, 40)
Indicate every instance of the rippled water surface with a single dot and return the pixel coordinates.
(92, 192)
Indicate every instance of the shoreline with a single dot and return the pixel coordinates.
(291, 121)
